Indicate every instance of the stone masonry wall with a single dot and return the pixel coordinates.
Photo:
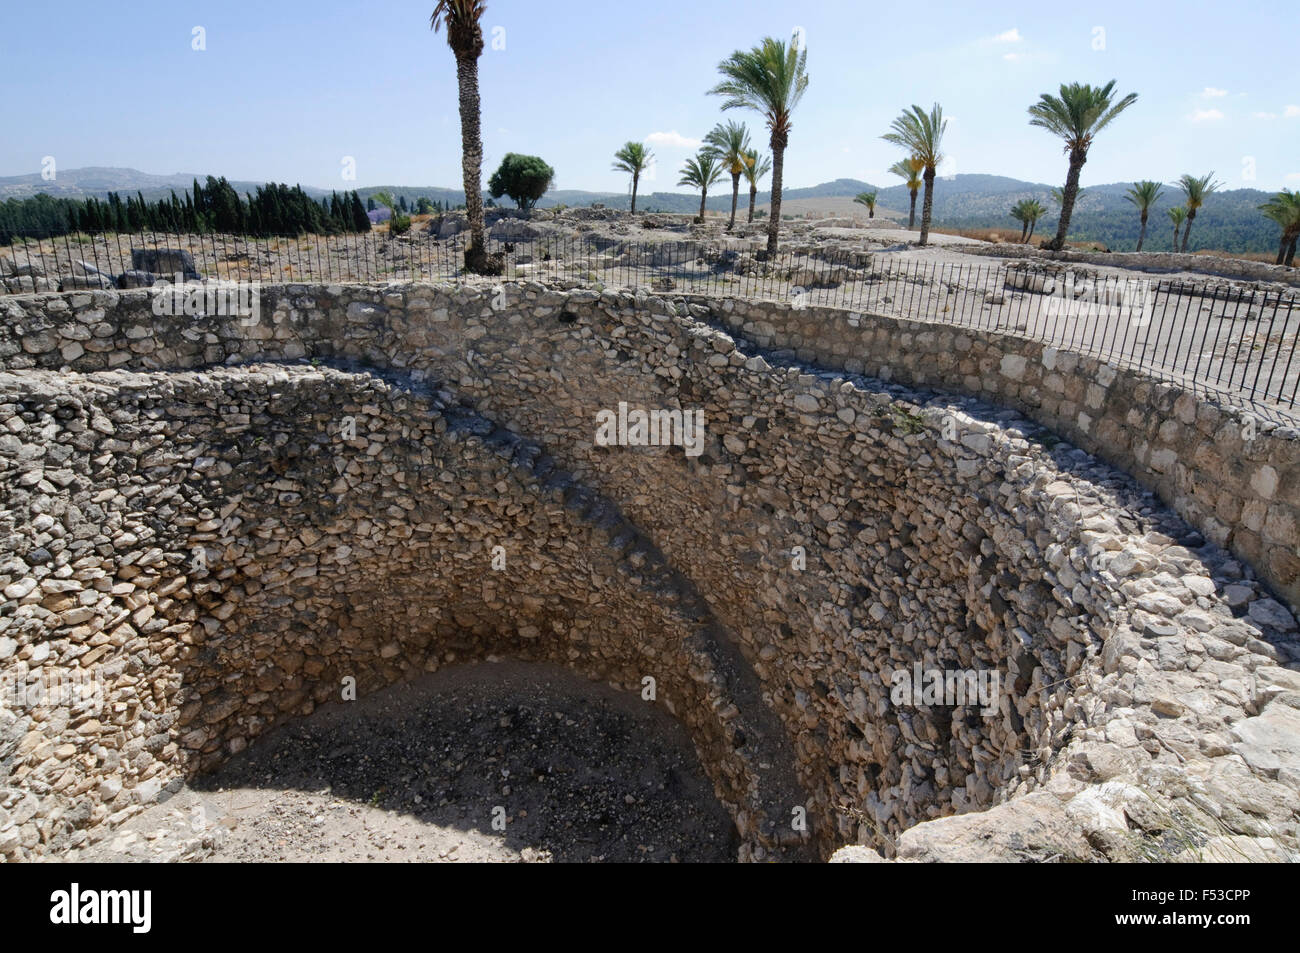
(1241, 268)
(835, 530)
(1233, 476)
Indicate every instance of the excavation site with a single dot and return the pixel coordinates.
(542, 572)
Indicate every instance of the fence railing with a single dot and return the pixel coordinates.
(1234, 339)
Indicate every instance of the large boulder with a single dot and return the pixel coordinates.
(165, 261)
(26, 284)
(1031, 828)
(80, 282)
(513, 230)
(450, 225)
(134, 278)
(80, 267)
(22, 267)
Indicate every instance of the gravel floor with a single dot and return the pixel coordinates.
(577, 772)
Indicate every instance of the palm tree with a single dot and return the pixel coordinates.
(1144, 195)
(1177, 215)
(1284, 208)
(921, 134)
(1027, 212)
(1018, 213)
(1058, 196)
(1196, 191)
(1033, 212)
(769, 79)
(701, 171)
(869, 200)
(730, 142)
(462, 18)
(756, 167)
(909, 170)
(633, 158)
(1077, 115)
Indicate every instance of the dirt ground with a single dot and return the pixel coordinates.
(572, 771)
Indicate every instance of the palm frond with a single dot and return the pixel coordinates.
(770, 79)
(921, 134)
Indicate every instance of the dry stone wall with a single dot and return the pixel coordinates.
(1232, 473)
(833, 532)
(1240, 268)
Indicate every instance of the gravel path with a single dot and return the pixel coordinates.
(578, 772)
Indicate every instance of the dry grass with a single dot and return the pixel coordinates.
(1267, 258)
(995, 235)
(1012, 236)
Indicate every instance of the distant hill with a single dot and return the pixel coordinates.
(1229, 220)
(98, 181)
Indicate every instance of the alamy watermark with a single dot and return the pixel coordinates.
(920, 687)
(651, 428)
(241, 299)
(1079, 296)
(76, 689)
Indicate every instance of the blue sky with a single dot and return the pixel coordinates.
(286, 89)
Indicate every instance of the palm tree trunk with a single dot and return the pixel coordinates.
(927, 205)
(911, 215)
(1290, 252)
(774, 214)
(471, 142)
(1175, 238)
(635, 177)
(753, 197)
(704, 195)
(1282, 244)
(1033, 226)
(735, 196)
(1077, 158)
(1024, 231)
(1142, 235)
(1191, 217)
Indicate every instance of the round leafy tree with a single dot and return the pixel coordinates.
(524, 178)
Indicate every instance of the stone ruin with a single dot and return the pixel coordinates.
(21, 274)
(208, 523)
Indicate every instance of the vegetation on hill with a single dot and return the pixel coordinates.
(1230, 221)
(215, 206)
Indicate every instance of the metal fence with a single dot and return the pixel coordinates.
(1234, 339)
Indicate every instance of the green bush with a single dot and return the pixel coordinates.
(525, 179)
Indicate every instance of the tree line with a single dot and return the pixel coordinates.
(213, 206)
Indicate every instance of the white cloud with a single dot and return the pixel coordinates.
(1213, 93)
(672, 140)
(1206, 115)
(1011, 57)
(1291, 112)
(1011, 36)
(1265, 115)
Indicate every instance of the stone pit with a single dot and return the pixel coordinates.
(214, 523)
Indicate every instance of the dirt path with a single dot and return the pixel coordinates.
(577, 771)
